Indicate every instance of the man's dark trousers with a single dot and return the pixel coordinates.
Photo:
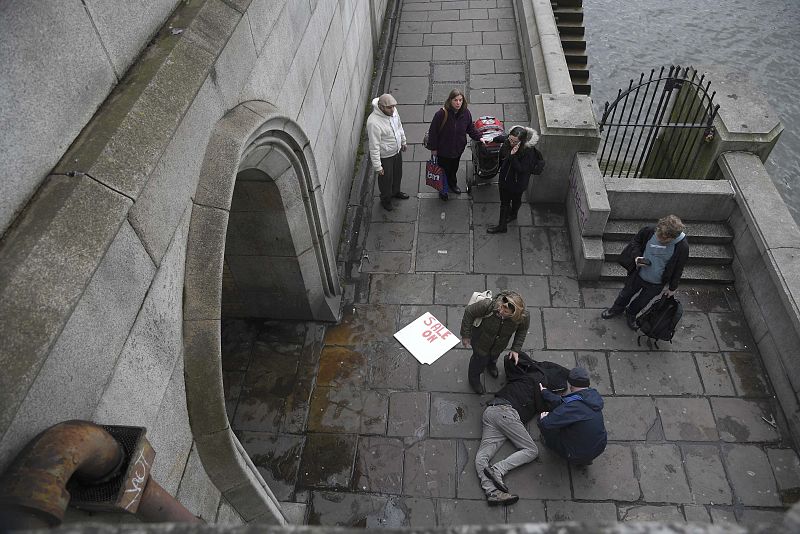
(389, 183)
(634, 284)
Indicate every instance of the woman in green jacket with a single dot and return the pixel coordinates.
(501, 318)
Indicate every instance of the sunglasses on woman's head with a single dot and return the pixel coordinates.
(508, 304)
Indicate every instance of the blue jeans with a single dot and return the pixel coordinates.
(633, 285)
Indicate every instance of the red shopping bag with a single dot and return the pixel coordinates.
(434, 175)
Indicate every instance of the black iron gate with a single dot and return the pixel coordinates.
(657, 127)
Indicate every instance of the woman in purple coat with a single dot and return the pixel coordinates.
(447, 136)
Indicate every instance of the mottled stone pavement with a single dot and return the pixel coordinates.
(348, 429)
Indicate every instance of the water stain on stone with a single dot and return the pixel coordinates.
(459, 415)
(327, 461)
(790, 495)
(737, 430)
(747, 371)
(340, 366)
(362, 324)
(732, 332)
(282, 467)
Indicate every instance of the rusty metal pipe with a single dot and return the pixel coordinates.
(159, 506)
(33, 489)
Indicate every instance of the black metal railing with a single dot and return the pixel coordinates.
(657, 127)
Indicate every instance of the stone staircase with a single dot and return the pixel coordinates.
(569, 19)
(710, 250)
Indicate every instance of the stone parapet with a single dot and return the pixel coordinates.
(767, 268)
(692, 200)
(545, 64)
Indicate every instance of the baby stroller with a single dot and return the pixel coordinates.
(485, 158)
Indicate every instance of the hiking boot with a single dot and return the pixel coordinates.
(631, 320)
(608, 313)
(499, 229)
(492, 370)
(496, 478)
(387, 205)
(499, 498)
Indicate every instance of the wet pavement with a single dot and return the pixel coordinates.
(347, 428)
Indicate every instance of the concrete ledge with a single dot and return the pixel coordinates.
(546, 66)
(46, 262)
(693, 200)
(587, 195)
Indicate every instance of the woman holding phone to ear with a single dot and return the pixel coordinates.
(519, 159)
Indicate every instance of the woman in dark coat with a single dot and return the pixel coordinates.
(519, 160)
(447, 136)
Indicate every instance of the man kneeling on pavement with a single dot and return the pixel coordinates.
(571, 431)
(574, 426)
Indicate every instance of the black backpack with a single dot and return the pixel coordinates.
(660, 320)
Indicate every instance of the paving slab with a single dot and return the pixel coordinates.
(409, 414)
(391, 366)
(588, 512)
(758, 518)
(437, 217)
(739, 420)
(277, 458)
(687, 419)
(654, 373)
(401, 289)
(704, 298)
(536, 255)
(335, 410)
(456, 415)
(750, 475)
(327, 461)
(468, 484)
(732, 331)
(457, 288)
(610, 476)
(497, 253)
(363, 323)
(347, 509)
(661, 474)
(547, 477)
(629, 418)
(342, 367)
(416, 512)
(786, 468)
(714, 374)
(534, 290)
(430, 469)
(442, 252)
(747, 374)
(515, 112)
(526, 511)
(564, 292)
(597, 365)
(374, 412)
(409, 314)
(662, 514)
(696, 514)
(448, 373)
(387, 262)
(706, 475)
(405, 211)
(466, 512)
(378, 465)
(599, 294)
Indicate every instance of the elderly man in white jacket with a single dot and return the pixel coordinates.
(387, 142)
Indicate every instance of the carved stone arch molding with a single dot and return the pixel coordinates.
(259, 187)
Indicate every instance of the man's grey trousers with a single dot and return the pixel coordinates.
(499, 424)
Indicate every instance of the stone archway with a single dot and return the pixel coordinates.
(259, 194)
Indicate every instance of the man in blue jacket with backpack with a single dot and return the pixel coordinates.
(574, 427)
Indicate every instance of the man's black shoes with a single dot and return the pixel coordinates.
(479, 389)
(608, 313)
(401, 195)
(495, 477)
(455, 189)
(631, 320)
(387, 205)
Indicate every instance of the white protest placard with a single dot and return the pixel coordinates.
(427, 338)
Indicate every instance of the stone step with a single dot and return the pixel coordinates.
(699, 253)
(580, 77)
(582, 88)
(568, 13)
(698, 232)
(567, 27)
(576, 58)
(566, 3)
(721, 274)
(577, 68)
(571, 43)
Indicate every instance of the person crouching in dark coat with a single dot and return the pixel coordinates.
(519, 160)
(574, 427)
